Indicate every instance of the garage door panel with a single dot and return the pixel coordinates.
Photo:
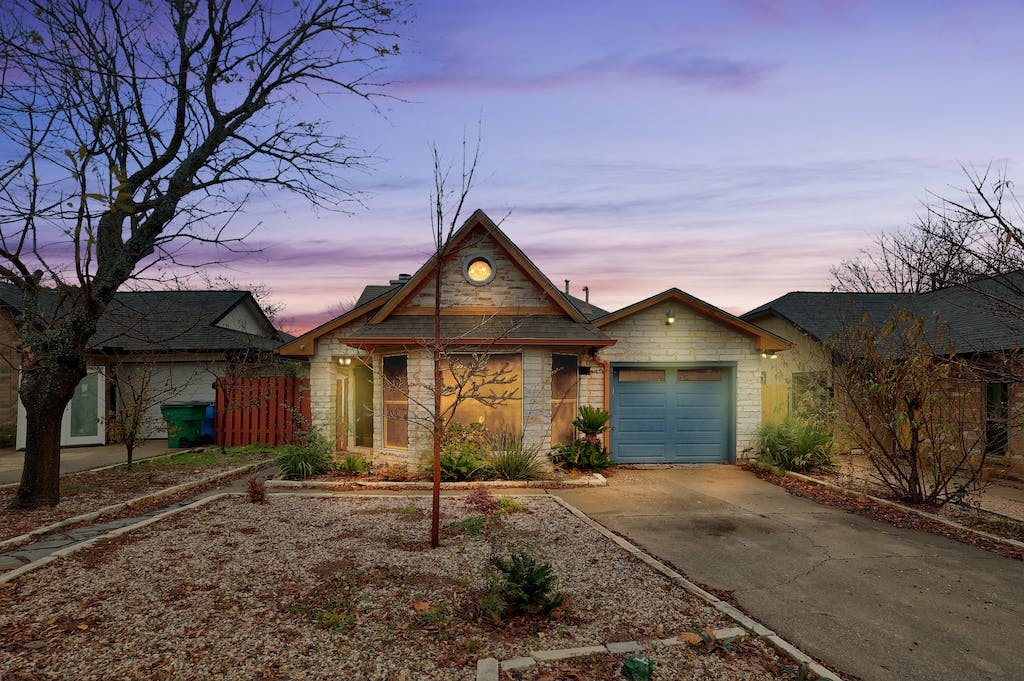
(684, 419)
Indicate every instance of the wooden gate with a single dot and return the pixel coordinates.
(270, 410)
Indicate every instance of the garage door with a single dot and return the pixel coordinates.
(671, 414)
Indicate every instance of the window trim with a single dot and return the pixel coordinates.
(469, 260)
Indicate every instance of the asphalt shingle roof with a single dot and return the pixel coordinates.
(983, 316)
(166, 321)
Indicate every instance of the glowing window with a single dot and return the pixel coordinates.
(479, 270)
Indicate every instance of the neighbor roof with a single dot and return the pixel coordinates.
(982, 316)
(167, 321)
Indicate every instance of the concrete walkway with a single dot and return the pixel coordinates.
(867, 598)
(73, 459)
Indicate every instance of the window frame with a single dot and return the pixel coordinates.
(387, 418)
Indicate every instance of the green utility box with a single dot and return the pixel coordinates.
(183, 421)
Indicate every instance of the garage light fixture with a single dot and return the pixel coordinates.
(670, 317)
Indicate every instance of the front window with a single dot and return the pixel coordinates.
(484, 388)
(396, 401)
(564, 383)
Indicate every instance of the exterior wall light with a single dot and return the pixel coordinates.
(764, 355)
(774, 356)
(670, 317)
(344, 361)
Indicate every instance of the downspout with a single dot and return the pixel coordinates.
(607, 392)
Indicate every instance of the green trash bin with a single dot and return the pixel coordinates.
(183, 421)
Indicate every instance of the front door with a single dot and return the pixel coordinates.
(82, 422)
(83, 417)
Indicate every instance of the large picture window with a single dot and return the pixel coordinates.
(485, 389)
(564, 389)
(396, 401)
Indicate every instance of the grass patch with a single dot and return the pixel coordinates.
(510, 505)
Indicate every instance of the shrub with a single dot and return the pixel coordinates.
(527, 585)
(472, 526)
(352, 464)
(794, 445)
(459, 465)
(510, 505)
(480, 499)
(511, 459)
(257, 490)
(395, 472)
(591, 421)
(298, 462)
(582, 455)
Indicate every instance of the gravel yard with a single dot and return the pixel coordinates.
(343, 587)
(92, 490)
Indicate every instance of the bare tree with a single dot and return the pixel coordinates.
(911, 260)
(138, 393)
(139, 131)
(911, 405)
(976, 232)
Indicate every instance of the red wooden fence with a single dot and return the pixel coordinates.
(268, 410)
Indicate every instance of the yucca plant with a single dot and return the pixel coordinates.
(511, 459)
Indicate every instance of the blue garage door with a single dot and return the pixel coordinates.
(671, 414)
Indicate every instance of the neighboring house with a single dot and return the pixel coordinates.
(179, 340)
(680, 377)
(980, 321)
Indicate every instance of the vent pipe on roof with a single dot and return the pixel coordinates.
(936, 281)
(402, 278)
(586, 299)
(566, 287)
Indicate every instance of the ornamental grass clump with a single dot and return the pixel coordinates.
(795, 445)
(314, 456)
(511, 459)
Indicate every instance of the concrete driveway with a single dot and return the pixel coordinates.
(866, 598)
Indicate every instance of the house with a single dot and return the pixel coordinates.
(680, 376)
(177, 341)
(979, 322)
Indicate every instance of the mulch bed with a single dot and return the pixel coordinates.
(344, 587)
(873, 510)
(92, 490)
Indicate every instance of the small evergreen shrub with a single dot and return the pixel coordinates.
(526, 586)
(472, 526)
(795, 445)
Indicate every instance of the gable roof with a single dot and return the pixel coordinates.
(764, 340)
(982, 316)
(480, 219)
(165, 321)
(381, 327)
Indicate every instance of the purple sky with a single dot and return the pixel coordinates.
(733, 148)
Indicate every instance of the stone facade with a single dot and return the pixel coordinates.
(693, 338)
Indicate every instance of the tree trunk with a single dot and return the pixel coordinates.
(47, 387)
(435, 506)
